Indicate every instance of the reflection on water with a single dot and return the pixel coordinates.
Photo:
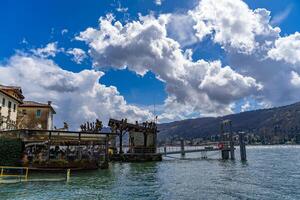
(270, 173)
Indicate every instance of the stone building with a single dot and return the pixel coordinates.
(10, 99)
(34, 115)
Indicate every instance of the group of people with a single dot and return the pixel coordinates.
(69, 153)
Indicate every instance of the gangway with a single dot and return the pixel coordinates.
(205, 147)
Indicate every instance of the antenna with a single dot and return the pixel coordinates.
(154, 106)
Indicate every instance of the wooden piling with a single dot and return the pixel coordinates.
(225, 154)
(242, 147)
(228, 149)
(182, 147)
(232, 156)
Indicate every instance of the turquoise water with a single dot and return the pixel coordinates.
(272, 172)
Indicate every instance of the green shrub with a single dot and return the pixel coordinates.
(10, 152)
(58, 163)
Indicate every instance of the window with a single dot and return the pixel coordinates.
(38, 113)
(3, 102)
(14, 107)
(9, 105)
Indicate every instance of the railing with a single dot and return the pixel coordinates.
(206, 146)
(5, 175)
(137, 149)
(25, 176)
(55, 136)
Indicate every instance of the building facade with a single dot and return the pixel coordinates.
(10, 99)
(34, 115)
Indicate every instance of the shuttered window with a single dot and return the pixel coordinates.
(38, 113)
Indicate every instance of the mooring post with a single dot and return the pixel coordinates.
(182, 147)
(232, 157)
(26, 173)
(68, 175)
(165, 150)
(242, 147)
(225, 154)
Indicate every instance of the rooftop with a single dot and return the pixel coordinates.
(37, 104)
(10, 87)
(17, 90)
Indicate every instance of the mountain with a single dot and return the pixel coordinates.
(277, 121)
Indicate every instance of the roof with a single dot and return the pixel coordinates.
(37, 105)
(10, 87)
(16, 89)
(9, 95)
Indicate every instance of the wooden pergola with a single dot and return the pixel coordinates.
(120, 127)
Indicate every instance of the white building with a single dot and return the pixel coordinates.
(10, 98)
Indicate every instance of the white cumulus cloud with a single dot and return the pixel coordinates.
(252, 46)
(77, 97)
(143, 46)
(50, 50)
(232, 24)
(287, 49)
(295, 79)
(78, 55)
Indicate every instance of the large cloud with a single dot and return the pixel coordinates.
(260, 52)
(252, 46)
(287, 49)
(143, 46)
(232, 24)
(77, 97)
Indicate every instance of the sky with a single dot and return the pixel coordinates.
(137, 59)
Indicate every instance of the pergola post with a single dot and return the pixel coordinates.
(121, 142)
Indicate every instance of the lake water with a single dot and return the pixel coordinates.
(271, 172)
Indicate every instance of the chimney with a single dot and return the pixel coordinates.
(49, 103)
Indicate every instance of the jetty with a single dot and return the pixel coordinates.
(225, 145)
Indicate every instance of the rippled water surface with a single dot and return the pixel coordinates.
(272, 172)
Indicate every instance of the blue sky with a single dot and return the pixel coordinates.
(32, 24)
(40, 22)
